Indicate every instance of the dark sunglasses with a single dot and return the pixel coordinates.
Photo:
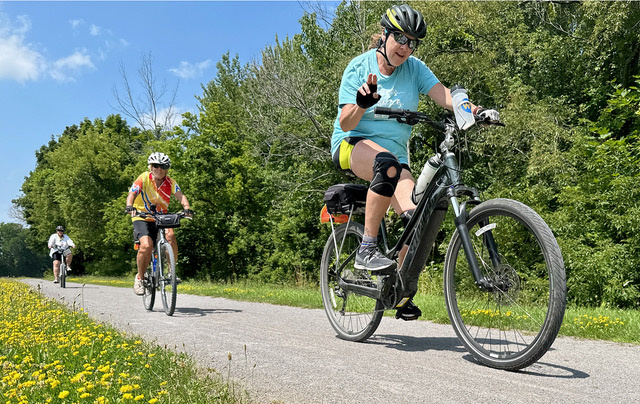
(402, 39)
(163, 166)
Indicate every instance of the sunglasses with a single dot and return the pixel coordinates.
(163, 166)
(402, 39)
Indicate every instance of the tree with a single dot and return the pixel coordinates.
(16, 258)
(147, 108)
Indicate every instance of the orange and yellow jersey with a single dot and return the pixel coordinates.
(147, 193)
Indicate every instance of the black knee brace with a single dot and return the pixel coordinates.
(382, 183)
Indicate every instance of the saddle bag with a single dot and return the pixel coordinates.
(341, 197)
(168, 221)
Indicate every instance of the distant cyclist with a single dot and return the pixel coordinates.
(376, 149)
(60, 242)
(152, 187)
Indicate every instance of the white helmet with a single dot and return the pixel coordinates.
(159, 158)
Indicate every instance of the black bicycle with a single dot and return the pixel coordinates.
(504, 277)
(63, 267)
(161, 273)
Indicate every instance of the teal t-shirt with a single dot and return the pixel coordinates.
(399, 90)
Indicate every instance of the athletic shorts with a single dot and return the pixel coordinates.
(56, 256)
(143, 228)
(342, 156)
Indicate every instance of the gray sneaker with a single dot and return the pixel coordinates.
(370, 259)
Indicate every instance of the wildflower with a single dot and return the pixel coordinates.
(63, 394)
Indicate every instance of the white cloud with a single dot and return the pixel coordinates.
(19, 61)
(76, 23)
(94, 30)
(188, 70)
(74, 61)
(167, 117)
(63, 68)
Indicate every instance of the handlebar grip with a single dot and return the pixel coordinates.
(387, 111)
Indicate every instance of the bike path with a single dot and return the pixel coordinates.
(291, 355)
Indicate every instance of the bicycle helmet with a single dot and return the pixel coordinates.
(60, 228)
(405, 19)
(159, 158)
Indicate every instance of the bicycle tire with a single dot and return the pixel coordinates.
(513, 326)
(149, 296)
(63, 274)
(353, 317)
(168, 284)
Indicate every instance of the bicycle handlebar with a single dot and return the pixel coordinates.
(413, 117)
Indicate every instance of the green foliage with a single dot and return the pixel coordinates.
(16, 258)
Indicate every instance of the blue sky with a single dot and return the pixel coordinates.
(59, 62)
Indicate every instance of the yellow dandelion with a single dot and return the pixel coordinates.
(63, 394)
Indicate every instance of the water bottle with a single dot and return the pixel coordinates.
(428, 171)
(462, 107)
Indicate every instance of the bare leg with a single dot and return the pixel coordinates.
(56, 269)
(362, 159)
(171, 238)
(144, 255)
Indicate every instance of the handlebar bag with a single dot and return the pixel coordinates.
(168, 221)
(341, 197)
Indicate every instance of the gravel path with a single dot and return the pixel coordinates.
(291, 355)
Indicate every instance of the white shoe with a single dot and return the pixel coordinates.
(55, 280)
(138, 287)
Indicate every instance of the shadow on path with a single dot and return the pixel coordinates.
(200, 312)
(416, 344)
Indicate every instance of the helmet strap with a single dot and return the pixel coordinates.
(384, 48)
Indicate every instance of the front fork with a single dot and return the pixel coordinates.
(461, 218)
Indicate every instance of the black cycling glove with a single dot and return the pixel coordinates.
(188, 212)
(129, 209)
(367, 101)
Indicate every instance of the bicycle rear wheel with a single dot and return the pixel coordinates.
(149, 296)
(354, 317)
(514, 325)
(63, 274)
(168, 284)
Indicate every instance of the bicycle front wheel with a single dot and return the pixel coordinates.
(63, 275)
(168, 284)
(354, 317)
(513, 325)
(149, 296)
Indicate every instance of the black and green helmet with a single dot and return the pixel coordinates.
(405, 19)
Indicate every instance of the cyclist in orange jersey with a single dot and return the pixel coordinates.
(153, 187)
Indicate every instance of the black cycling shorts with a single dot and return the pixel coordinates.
(143, 228)
(56, 256)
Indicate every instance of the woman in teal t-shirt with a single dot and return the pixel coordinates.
(374, 149)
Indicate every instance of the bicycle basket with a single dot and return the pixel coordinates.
(340, 198)
(168, 221)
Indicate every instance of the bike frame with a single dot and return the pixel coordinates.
(446, 186)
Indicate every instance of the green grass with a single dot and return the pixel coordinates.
(590, 323)
(49, 353)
